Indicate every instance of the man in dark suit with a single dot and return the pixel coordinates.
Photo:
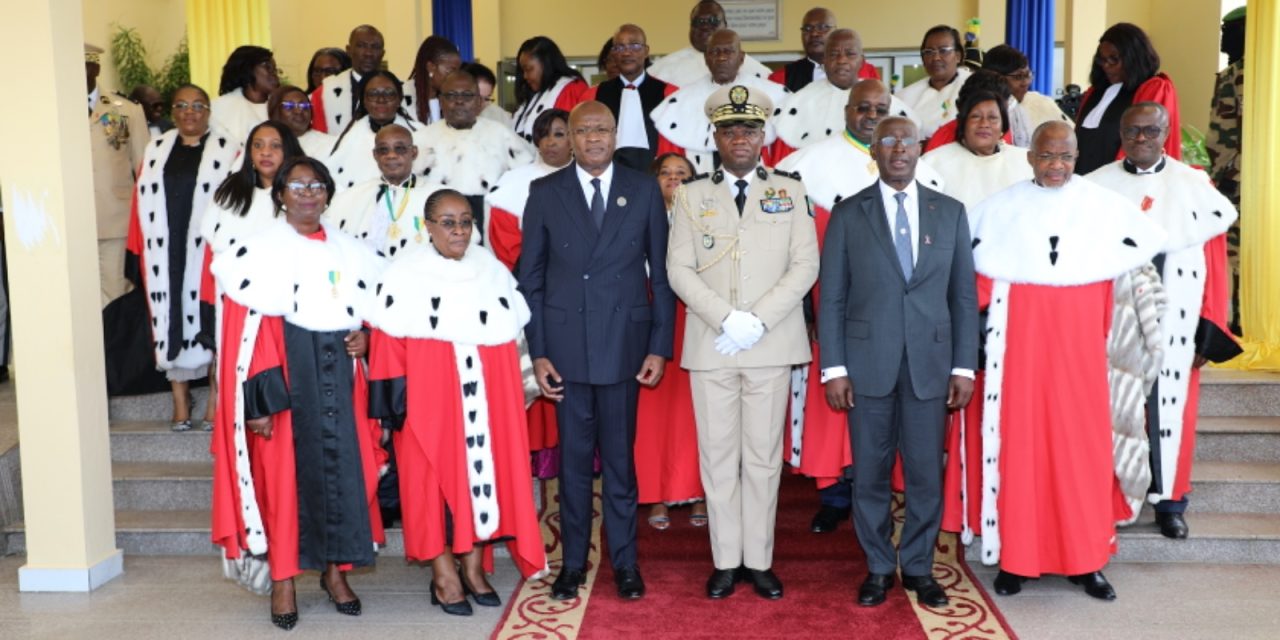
(590, 231)
(898, 331)
(630, 97)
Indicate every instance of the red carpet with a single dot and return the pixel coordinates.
(820, 574)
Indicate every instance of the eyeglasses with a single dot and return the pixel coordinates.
(890, 142)
(307, 188)
(879, 109)
(290, 105)
(398, 149)
(198, 107)
(1048, 158)
(382, 95)
(1107, 61)
(459, 96)
(710, 21)
(585, 132)
(634, 47)
(940, 52)
(450, 225)
(819, 28)
(1150, 132)
(329, 71)
(1022, 76)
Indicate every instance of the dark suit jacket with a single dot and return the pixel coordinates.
(868, 313)
(596, 312)
(652, 91)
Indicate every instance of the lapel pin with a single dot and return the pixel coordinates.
(622, 202)
(928, 240)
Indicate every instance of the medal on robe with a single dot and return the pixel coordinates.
(417, 229)
(334, 278)
(393, 231)
(708, 241)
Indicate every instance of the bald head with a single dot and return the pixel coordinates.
(593, 134)
(1144, 128)
(1053, 154)
(868, 104)
(394, 151)
(842, 57)
(704, 19)
(814, 27)
(630, 50)
(724, 56)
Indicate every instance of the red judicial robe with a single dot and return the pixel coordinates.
(946, 134)
(666, 447)
(1049, 495)
(445, 371)
(289, 296)
(1158, 88)
(565, 94)
(1183, 201)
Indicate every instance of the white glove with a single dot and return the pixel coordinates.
(743, 328)
(725, 345)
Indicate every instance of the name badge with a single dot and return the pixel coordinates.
(776, 202)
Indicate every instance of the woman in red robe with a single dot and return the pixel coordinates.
(296, 458)
(1126, 71)
(446, 378)
(666, 448)
(546, 81)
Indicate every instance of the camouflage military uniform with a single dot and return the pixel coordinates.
(1223, 144)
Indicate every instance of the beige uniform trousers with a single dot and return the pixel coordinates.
(740, 414)
(111, 269)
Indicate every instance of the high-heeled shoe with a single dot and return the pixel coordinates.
(351, 608)
(487, 599)
(286, 621)
(459, 608)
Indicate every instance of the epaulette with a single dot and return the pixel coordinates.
(717, 176)
(126, 98)
(794, 175)
(695, 178)
(761, 173)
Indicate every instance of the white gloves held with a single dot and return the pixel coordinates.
(741, 332)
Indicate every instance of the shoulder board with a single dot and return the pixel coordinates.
(794, 175)
(124, 97)
(718, 176)
(695, 178)
(761, 173)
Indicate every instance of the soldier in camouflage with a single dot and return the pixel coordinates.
(1223, 141)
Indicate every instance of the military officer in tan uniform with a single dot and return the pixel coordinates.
(742, 254)
(117, 137)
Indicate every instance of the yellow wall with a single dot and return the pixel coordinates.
(161, 23)
(299, 27)
(882, 25)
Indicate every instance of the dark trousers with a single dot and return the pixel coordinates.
(879, 427)
(604, 417)
(838, 495)
(1172, 506)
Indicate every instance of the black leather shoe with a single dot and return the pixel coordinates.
(1172, 525)
(828, 519)
(630, 584)
(928, 592)
(874, 589)
(1095, 584)
(459, 608)
(1008, 584)
(566, 585)
(766, 584)
(722, 581)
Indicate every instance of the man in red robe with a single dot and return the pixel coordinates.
(1046, 253)
(1193, 264)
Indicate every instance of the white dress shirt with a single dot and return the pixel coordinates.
(93, 98)
(819, 71)
(588, 191)
(631, 115)
(912, 205)
(1094, 118)
(730, 179)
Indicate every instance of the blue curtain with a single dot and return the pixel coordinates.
(452, 19)
(1030, 30)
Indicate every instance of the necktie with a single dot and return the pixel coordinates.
(597, 204)
(902, 237)
(741, 198)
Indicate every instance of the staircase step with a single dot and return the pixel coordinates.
(178, 532)
(153, 406)
(1238, 439)
(152, 441)
(1216, 538)
(162, 486)
(1236, 487)
(1225, 392)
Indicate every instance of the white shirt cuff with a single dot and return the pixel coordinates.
(831, 373)
(964, 373)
